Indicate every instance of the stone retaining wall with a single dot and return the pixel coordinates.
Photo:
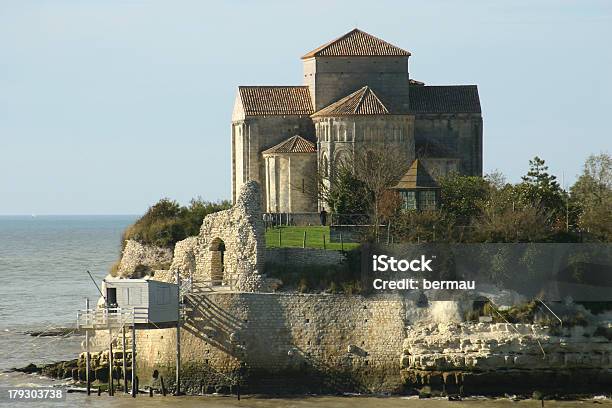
(279, 343)
(303, 257)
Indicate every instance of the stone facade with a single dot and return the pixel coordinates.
(288, 189)
(442, 124)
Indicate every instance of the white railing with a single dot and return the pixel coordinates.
(113, 317)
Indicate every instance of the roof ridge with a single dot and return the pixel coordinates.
(293, 144)
(378, 99)
(354, 108)
(361, 99)
(364, 44)
(294, 140)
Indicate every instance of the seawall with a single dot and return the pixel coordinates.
(282, 343)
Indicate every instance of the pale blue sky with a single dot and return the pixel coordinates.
(106, 106)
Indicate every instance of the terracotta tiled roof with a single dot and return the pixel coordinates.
(361, 102)
(295, 144)
(444, 99)
(416, 177)
(275, 100)
(356, 43)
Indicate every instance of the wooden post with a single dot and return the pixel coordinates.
(134, 385)
(87, 354)
(280, 237)
(111, 391)
(304, 240)
(341, 243)
(178, 335)
(125, 381)
(324, 241)
(163, 386)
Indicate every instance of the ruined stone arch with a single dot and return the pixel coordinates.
(217, 260)
(230, 245)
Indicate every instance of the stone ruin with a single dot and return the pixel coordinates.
(230, 248)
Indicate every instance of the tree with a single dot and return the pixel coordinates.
(379, 168)
(591, 195)
(496, 179)
(462, 196)
(541, 189)
(340, 189)
(166, 222)
(501, 223)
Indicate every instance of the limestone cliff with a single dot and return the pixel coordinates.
(139, 260)
(492, 358)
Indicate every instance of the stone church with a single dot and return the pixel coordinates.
(356, 92)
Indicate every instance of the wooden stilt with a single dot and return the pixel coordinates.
(125, 381)
(178, 335)
(163, 386)
(134, 382)
(111, 391)
(87, 355)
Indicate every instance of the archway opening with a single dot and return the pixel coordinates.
(217, 250)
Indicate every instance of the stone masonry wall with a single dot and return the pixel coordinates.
(303, 257)
(459, 134)
(282, 343)
(237, 232)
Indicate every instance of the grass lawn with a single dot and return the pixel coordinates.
(288, 236)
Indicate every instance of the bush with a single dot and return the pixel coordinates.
(166, 222)
(344, 277)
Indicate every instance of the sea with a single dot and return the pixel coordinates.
(44, 262)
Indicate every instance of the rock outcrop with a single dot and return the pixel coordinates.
(489, 357)
(139, 260)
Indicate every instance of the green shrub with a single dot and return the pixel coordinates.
(166, 222)
(603, 332)
(344, 277)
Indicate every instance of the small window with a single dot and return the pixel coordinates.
(427, 200)
(409, 199)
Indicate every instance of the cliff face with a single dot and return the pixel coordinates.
(138, 260)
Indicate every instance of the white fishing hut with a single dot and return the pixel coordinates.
(152, 301)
